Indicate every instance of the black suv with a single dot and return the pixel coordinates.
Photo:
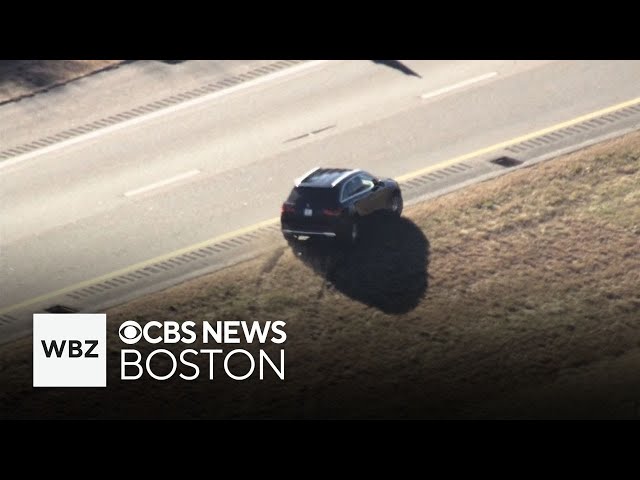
(330, 201)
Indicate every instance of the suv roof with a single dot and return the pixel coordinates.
(324, 177)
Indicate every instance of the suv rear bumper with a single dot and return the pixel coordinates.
(307, 233)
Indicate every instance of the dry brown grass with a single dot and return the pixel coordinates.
(20, 78)
(531, 311)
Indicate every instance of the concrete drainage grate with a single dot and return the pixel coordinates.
(506, 162)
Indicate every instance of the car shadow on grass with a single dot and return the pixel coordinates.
(387, 269)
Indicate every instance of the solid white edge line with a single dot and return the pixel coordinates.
(162, 112)
(455, 86)
(162, 183)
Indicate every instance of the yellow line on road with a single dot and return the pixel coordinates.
(513, 141)
(273, 221)
(139, 265)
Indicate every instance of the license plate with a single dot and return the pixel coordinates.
(308, 212)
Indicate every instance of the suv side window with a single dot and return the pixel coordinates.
(366, 180)
(349, 188)
(358, 184)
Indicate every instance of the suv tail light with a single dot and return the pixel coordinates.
(332, 212)
(287, 208)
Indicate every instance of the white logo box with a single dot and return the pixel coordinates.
(77, 347)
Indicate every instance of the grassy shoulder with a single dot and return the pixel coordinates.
(20, 78)
(514, 298)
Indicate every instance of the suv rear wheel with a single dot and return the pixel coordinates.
(351, 235)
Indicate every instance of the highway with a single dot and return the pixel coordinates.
(191, 172)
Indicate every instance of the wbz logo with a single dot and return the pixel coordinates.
(69, 350)
(75, 348)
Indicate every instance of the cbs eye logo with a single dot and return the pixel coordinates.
(130, 332)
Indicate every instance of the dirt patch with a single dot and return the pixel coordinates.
(514, 298)
(22, 78)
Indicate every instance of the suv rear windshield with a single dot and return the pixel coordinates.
(322, 196)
